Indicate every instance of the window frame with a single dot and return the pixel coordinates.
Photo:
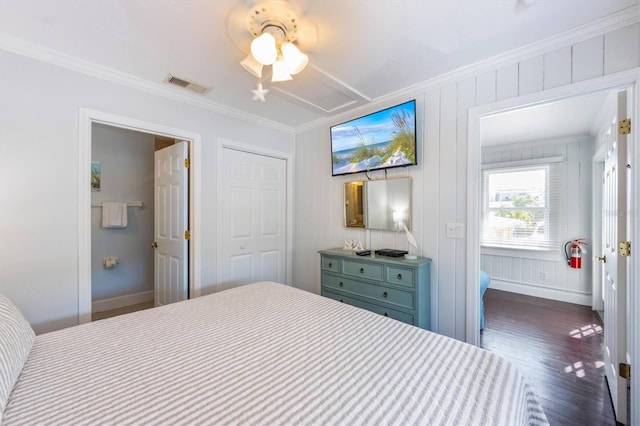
(552, 204)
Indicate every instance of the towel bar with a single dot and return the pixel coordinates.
(134, 204)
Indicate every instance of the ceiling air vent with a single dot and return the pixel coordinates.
(186, 84)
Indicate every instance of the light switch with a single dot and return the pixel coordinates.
(455, 230)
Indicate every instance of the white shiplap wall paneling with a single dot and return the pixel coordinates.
(516, 269)
(466, 100)
(622, 49)
(537, 266)
(563, 65)
(447, 208)
(431, 194)
(527, 270)
(587, 59)
(531, 75)
(486, 88)
(507, 82)
(557, 68)
(585, 198)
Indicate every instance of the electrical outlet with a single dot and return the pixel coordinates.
(110, 262)
(543, 275)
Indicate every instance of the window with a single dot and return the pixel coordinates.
(521, 207)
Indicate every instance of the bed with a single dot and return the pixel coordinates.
(263, 354)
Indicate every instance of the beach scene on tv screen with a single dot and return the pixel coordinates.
(376, 141)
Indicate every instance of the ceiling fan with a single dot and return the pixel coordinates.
(272, 33)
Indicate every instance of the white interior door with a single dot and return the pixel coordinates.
(171, 243)
(614, 230)
(253, 204)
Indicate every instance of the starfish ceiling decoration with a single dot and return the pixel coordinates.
(259, 93)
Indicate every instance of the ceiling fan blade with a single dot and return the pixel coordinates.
(237, 27)
(308, 34)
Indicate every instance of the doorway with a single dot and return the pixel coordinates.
(141, 259)
(122, 220)
(87, 119)
(475, 203)
(536, 195)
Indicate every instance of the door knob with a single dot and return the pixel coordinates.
(603, 259)
(154, 244)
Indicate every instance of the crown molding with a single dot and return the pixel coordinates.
(42, 54)
(615, 21)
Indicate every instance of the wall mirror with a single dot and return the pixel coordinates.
(378, 204)
(354, 204)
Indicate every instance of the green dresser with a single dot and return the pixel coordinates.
(397, 288)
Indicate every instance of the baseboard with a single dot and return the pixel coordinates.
(543, 292)
(121, 301)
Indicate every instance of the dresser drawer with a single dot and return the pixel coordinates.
(387, 312)
(397, 287)
(400, 276)
(330, 264)
(371, 271)
(385, 295)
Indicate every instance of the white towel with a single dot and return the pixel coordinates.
(114, 214)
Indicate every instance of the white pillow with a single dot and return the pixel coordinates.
(16, 340)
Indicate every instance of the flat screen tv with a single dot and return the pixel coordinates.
(377, 141)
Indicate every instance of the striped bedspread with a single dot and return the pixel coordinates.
(264, 354)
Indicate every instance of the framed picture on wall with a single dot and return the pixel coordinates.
(95, 176)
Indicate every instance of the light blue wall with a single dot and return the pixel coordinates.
(126, 160)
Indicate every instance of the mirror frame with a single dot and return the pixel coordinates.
(354, 205)
(369, 202)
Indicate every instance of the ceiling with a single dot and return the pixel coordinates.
(359, 50)
(568, 117)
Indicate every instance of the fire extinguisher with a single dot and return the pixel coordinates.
(574, 254)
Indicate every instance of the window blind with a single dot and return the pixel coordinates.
(521, 204)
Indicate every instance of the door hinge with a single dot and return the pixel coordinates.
(187, 163)
(624, 126)
(187, 235)
(625, 248)
(625, 371)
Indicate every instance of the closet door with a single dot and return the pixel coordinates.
(253, 209)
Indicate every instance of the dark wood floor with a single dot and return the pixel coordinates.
(558, 346)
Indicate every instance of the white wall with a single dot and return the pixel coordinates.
(520, 271)
(39, 109)
(126, 160)
(440, 181)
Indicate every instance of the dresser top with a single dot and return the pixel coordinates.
(393, 260)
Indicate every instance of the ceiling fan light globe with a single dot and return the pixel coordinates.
(264, 49)
(296, 60)
(250, 64)
(280, 71)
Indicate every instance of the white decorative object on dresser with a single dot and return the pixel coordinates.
(393, 287)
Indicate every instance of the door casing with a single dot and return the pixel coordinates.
(86, 118)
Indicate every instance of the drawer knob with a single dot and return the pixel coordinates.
(399, 276)
(362, 270)
(340, 284)
(384, 294)
(341, 301)
(386, 314)
(330, 265)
